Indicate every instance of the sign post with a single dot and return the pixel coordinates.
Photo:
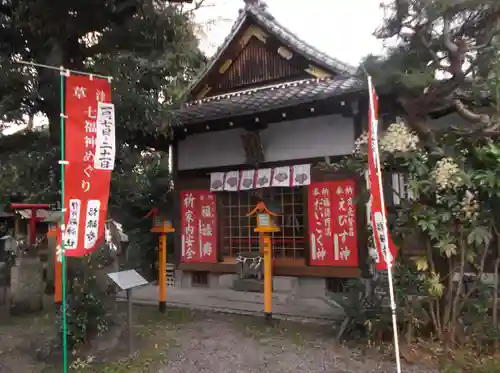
(266, 226)
(127, 280)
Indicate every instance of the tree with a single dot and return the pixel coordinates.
(444, 58)
(150, 50)
(149, 47)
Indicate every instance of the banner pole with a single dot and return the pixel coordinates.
(385, 253)
(63, 212)
(75, 72)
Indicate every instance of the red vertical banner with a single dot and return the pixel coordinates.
(208, 227)
(86, 189)
(385, 248)
(332, 224)
(198, 226)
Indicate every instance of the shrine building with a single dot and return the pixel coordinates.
(257, 122)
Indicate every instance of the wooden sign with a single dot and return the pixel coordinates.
(332, 224)
(198, 226)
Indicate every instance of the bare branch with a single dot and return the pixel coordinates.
(197, 5)
(469, 115)
(489, 38)
(448, 43)
(427, 45)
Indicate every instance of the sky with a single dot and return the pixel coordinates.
(341, 28)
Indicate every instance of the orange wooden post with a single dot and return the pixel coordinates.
(162, 226)
(268, 275)
(266, 226)
(52, 233)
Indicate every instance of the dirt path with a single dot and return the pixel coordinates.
(223, 344)
(183, 341)
(19, 338)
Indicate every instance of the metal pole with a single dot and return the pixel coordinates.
(63, 259)
(129, 321)
(77, 72)
(385, 252)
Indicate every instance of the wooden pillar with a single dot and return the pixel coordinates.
(162, 227)
(17, 227)
(52, 237)
(32, 227)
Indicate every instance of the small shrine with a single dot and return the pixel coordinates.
(257, 124)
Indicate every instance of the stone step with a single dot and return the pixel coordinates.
(248, 284)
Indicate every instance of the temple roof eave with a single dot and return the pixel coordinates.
(263, 99)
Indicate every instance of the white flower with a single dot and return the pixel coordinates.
(398, 138)
(469, 206)
(360, 143)
(446, 174)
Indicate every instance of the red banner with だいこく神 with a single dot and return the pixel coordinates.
(332, 223)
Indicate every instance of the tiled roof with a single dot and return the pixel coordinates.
(263, 99)
(5, 214)
(265, 20)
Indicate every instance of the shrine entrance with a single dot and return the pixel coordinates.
(237, 229)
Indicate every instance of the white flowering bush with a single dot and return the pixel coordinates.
(360, 143)
(449, 221)
(446, 174)
(469, 206)
(398, 138)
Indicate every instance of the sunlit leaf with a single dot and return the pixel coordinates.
(421, 263)
(434, 285)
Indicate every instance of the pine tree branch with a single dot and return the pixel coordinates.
(448, 43)
(469, 115)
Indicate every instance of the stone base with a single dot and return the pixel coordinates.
(27, 286)
(303, 287)
(248, 284)
(311, 287)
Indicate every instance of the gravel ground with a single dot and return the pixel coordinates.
(220, 345)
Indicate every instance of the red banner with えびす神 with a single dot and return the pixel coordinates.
(198, 226)
(332, 223)
(86, 185)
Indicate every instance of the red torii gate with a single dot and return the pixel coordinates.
(33, 207)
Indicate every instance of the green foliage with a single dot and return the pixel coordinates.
(86, 313)
(150, 50)
(440, 54)
(367, 307)
(148, 47)
(451, 217)
(366, 317)
(141, 183)
(29, 172)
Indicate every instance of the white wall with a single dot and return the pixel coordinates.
(212, 149)
(298, 139)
